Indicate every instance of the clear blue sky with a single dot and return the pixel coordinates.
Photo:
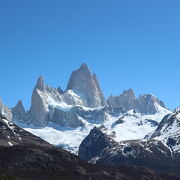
(127, 43)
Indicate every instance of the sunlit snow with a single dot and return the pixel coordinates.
(134, 126)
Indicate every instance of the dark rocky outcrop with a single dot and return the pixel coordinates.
(94, 143)
(30, 162)
(11, 134)
(149, 153)
(27, 157)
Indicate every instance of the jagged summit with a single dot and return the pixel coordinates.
(126, 100)
(83, 70)
(84, 67)
(19, 106)
(18, 112)
(59, 89)
(129, 92)
(40, 84)
(83, 105)
(146, 104)
(82, 81)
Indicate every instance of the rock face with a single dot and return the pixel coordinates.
(126, 100)
(61, 107)
(11, 134)
(94, 143)
(82, 106)
(83, 82)
(148, 104)
(18, 112)
(4, 110)
(38, 108)
(168, 132)
(150, 153)
(66, 118)
(145, 104)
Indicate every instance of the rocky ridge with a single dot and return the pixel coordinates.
(145, 104)
(27, 157)
(82, 106)
(159, 150)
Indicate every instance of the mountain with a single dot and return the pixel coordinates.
(42, 163)
(124, 130)
(53, 105)
(83, 82)
(18, 112)
(145, 104)
(12, 135)
(159, 150)
(168, 132)
(4, 110)
(27, 157)
(65, 118)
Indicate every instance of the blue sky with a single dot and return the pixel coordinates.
(127, 43)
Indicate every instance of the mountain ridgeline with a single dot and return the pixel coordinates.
(122, 130)
(67, 108)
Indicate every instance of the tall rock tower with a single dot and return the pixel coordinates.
(83, 82)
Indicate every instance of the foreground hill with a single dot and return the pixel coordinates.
(159, 150)
(24, 156)
(31, 162)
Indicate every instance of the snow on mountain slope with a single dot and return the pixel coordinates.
(67, 138)
(133, 125)
(102, 149)
(168, 131)
(64, 118)
(11, 134)
(128, 126)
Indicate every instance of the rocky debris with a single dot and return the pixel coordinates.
(83, 82)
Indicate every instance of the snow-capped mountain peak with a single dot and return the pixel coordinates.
(84, 82)
(55, 115)
(40, 84)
